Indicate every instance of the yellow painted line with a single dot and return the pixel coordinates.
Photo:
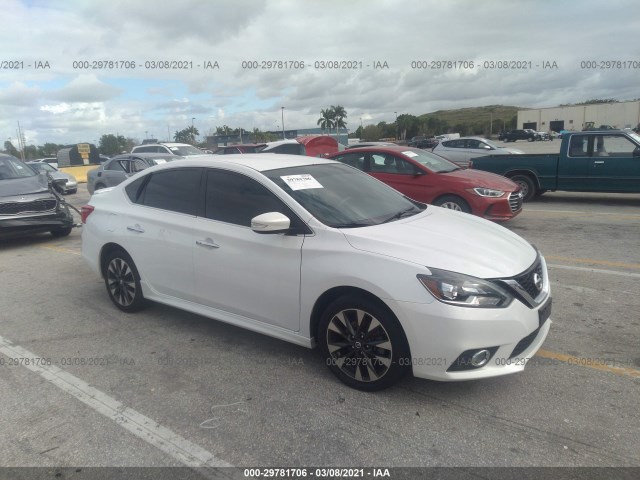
(596, 364)
(60, 249)
(592, 261)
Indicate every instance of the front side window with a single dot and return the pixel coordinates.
(116, 165)
(175, 190)
(235, 198)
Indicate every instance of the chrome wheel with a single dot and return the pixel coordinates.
(359, 345)
(451, 206)
(121, 282)
(363, 342)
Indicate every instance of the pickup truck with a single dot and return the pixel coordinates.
(590, 161)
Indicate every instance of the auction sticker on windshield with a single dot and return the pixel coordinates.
(301, 182)
(409, 153)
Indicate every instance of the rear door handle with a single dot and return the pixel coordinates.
(135, 228)
(598, 161)
(208, 243)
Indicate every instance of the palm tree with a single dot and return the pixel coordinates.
(326, 119)
(339, 114)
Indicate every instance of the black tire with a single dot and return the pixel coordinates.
(363, 342)
(530, 139)
(527, 186)
(453, 202)
(123, 282)
(63, 232)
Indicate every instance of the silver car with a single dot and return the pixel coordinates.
(461, 150)
(119, 168)
(70, 187)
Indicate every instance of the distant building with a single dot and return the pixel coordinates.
(576, 117)
(247, 137)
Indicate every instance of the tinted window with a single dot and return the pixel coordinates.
(354, 159)
(174, 190)
(117, 165)
(133, 190)
(234, 198)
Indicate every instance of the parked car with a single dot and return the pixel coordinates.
(119, 168)
(378, 281)
(462, 150)
(180, 149)
(514, 135)
(309, 145)
(589, 161)
(27, 202)
(240, 148)
(70, 183)
(429, 178)
(423, 142)
(53, 161)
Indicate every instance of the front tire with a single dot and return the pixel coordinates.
(527, 186)
(453, 202)
(363, 343)
(123, 282)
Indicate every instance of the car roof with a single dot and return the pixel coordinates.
(254, 161)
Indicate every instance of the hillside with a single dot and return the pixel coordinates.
(473, 120)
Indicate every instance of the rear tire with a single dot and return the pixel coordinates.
(122, 280)
(363, 343)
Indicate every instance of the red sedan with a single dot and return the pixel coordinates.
(429, 178)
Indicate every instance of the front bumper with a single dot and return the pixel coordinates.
(497, 209)
(17, 226)
(439, 333)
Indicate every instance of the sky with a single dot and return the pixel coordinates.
(73, 70)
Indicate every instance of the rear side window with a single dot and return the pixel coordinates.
(175, 190)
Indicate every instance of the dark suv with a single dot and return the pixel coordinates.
(27, 204)
(422, 142)
(513, 135)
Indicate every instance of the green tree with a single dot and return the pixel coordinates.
(10, 149)
(339, 114)
(48, 150)
(372, 133)
(110, 144)
(30, 152)
(187, 135)
(408, 126)
(326, 119)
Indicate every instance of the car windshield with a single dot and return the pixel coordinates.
(491, 144)
(42, 167)
(635, 136)
(11, 167)
(185, 150)
(433, 162)
(341, 196)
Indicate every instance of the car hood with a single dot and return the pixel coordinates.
(23, 186)
(448, 240)
(470, 178)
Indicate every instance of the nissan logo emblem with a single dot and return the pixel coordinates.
(537, 281)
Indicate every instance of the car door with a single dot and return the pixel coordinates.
(400, 174)
(575, 164)
(615, 164)
(237, 270)
(114, 172)
(473, 148)
(158, 229)
(452, 150)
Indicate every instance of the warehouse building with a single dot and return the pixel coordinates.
(578, 117)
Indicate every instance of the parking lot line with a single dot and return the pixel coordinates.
(595, 270)
(592, 261)
(143, 427)
(595, 364)
(60, 249)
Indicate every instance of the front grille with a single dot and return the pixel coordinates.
(515, 201)
(526, 280)
(21, 208)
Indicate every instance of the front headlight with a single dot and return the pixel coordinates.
(487, 192)
(464, 291)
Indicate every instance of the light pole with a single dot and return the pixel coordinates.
(396, 124)
(282, 110)
(193, 135)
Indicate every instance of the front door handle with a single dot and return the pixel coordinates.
(208, 243)
(135, 228)
(598, 161)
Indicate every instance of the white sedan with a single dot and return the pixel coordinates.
(313, 252)
(461, 150)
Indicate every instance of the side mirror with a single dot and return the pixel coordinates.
(270, 222)
(487, 147)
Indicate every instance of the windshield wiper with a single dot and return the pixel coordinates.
(351, 225)
(402, 213)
